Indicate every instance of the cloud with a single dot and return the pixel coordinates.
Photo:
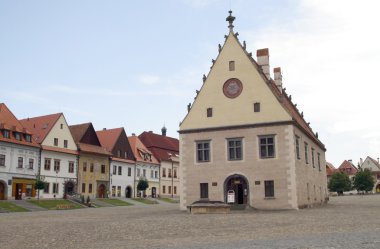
(149, 79)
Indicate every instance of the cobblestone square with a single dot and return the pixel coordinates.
(346, 222)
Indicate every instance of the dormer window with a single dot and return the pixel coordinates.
(6, 134)
(28, 138)
(17, 136)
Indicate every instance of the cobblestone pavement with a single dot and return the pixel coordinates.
(346, 222)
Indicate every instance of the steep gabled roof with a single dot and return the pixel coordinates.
(138, 148)
(375, 162)
(162, 147)
(330, 169)
(348, 167)
(108, 138)
(41, 126)
(78, 131)
(8, 121)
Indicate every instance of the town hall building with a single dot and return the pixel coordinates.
(244, 142)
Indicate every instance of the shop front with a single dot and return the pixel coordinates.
(23, 188)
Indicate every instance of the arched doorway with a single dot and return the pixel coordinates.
(101, 191)
(2, 191)
(128, 192)
(69, 188)
(237, 185)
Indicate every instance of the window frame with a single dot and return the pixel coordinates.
(204, 190)
(103, 169)
(31, 163)
(20, 162)
(47, 164)
(235, 148)
(269, 189)
(267, 144)
(205, 152)
(71, 166)
(2, 160)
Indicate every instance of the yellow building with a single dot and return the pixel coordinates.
(93, 166)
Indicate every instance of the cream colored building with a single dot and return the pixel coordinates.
(244, 142)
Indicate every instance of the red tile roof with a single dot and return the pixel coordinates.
(9, 122)
(108, 138)
(77, 131)
(162, 147)
(41, 126)
(137, 147)
(56, 149)
(348, 168)
(330, 169)
(93, 149)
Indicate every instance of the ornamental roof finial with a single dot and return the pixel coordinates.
(230, 19)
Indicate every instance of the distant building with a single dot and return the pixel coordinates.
(330, 169)
(19, 156)
(374, 166)
(94, 164)
(59, 154)
(243, 140)
(122, 162)
(349, 168)
(147, 167)
(166, 150)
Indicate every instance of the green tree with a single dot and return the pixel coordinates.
(364, 180)
(40, 184)
(339, 183)
(142, 185)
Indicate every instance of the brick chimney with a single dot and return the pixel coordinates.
(278, 77)
(263, 60)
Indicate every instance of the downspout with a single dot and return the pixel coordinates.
(171, 159)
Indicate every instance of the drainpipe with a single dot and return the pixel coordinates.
(171, 159)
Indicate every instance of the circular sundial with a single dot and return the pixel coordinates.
(232, 88)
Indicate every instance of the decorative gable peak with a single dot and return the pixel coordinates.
(230, 19)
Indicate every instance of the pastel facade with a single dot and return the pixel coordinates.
(244, 142)
(374, 166)
(59, 156)
(19, 157)
(166, 150)
(93, 163)
(147, 167)
(122, 171)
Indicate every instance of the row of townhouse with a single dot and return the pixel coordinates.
(78, 159)
(350, 169)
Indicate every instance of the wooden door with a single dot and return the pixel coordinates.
(101, 191)
(2, 191)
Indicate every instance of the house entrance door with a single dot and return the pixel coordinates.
(101, 191)
(239, 185)
(128, 192)
(2, 191)
(18, 194)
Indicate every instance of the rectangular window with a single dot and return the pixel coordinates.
(155, 174)
(312, 157)
(103, 169)
(55, 188)
(20, 162)
(170, 189)
(47, 163)
(55, 141)
(163, 172)
(138, 172)
(267, 146)
(83, 187)
(61, 126)
(46, 189)
(57, 165)
(319, 162)
(129, 171)
(91, 167)
(28, 138)
(113, 191)
(84, 166)
(204, 190)
(175, 173)
(151, 173)
(269, 188)
(119, 171)
(65, 143)
(298, 147)
(306, 153)
(209, 112)
(114, 170)
(175, 190)
(118, 191)
(256, 107)
(203, 151)
(17, 136)
(90, 188)
(235, 149)
(169, 173)
(231, 65)
(6, 134)
(71, 167)
(163, 189)
(2, 160)
(31, 163)
(144, 172)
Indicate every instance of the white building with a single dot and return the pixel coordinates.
(58, 155)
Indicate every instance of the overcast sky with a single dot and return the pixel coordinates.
(137, 64)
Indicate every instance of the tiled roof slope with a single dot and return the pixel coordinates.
(78, 131)
(138, 146)
(347, 165)
(374, 162)
(8, 121)
(40, 126)
(109, 137)
(162, 147)
(330, 169)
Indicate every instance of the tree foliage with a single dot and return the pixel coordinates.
(142, 185)
(39, 185)
(364, 180)
(340, 182)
